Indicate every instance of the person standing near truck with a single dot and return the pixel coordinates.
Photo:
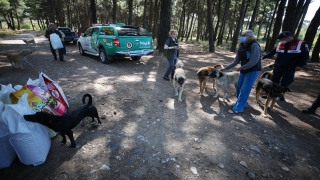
(52, 29)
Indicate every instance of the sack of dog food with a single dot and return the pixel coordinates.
(53, 88)
(55, 41)
(30, 140)
(35, 103)
(54, 106)
(7, 153)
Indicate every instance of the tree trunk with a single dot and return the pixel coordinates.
(316, 51)
(183, 18)
(51, 11)
(93, 11)
(254, 15)
(313, 28)
(238, 28)
(210, 26)
(304, 12)
(277, 25)
(130, 9)
(114, 11)
(144, 18)
(155, 21)
(289, 19)
(190, 28)
(223, 25)
(150, 16)
(30, 23)
(267, 49)
(218, 20)
(298, 13)
(165, 22)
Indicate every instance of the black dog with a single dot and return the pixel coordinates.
(65, 123)
(273, 91)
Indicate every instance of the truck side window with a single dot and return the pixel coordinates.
(88, 32)
(107, 31)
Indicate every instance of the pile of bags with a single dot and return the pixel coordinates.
(28, 140)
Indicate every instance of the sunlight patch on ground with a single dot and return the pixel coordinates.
(130, 129)
(12, 42)
(152, 77)
(170, 104)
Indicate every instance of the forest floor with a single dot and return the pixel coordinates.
(147, 134)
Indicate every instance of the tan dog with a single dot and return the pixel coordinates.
(16, 58)
(179, 79)
(203, 75)
(29, 41)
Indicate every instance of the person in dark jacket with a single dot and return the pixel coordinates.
(52, 29)
(248, 56)
(292, 55)
(313, 107)
(172, 53)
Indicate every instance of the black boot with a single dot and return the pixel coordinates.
(310, 110)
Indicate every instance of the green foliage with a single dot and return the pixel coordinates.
(6, 32)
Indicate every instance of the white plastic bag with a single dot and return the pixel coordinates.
(7, 153)
(55, 41)
(5, 92)
(30, 140)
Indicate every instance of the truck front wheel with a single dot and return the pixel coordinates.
(104, 58)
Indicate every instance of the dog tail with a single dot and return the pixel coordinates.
(179, 64)
(84, 99)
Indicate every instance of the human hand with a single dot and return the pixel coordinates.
(239, 69)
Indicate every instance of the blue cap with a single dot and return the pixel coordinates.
(284, 34)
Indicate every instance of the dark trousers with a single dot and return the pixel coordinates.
(55, 54)
(283, 76)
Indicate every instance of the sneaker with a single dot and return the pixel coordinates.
(309, 110)
(166, 78)
(231, 111)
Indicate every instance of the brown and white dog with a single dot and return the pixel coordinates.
(203, 75)
(179, 79)
(16, 58)
(273, 91)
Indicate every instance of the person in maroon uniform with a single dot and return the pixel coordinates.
(292, 55)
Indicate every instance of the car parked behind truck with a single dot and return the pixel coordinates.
(70, 36)
(111, 41)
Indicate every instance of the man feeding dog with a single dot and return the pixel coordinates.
(292, 55)
(248, 56)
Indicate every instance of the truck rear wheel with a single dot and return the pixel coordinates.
(104, 58)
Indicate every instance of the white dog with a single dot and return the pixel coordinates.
(223, 80)
(179, 79)
(16, 58)
(29, 41)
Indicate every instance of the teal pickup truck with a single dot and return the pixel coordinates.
(113, 41)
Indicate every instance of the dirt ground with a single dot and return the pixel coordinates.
(147, 134)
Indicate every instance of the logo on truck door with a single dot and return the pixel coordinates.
(129, 45)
